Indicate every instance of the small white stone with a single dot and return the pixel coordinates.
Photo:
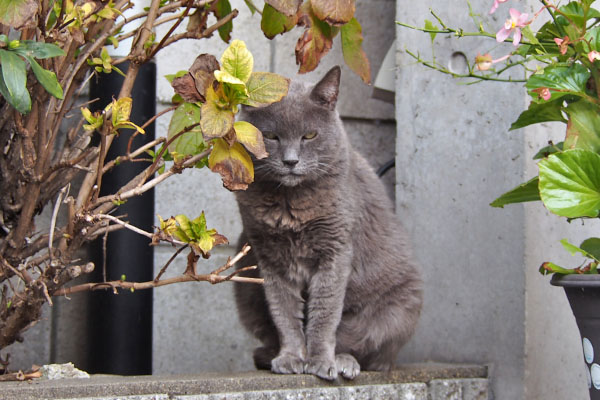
(588, 351)
(62, 371)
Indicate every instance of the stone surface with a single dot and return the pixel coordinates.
(406, 382)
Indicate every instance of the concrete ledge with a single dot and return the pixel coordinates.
(430, 381)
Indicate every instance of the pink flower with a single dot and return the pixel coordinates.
(593, 55)
(496, 4)
(485, 62)
(543, 93)
(515, 23)
(563, 44)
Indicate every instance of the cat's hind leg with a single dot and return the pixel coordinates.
(375, 333)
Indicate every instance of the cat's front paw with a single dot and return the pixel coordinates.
(347, 365)
(324, 369)
(287, 364)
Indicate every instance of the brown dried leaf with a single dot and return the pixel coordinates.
(202, 70)
(287, 7)
(232, 163)
(334, 12)
(314, 43)
(230, 138)
(18, 13)
(185, 86)
(192, 261)
(197, 21)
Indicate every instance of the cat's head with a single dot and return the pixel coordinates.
(303, 133)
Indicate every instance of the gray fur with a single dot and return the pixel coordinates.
(341, 291)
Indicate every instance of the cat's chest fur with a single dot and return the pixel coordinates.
(298, 228)
(289, 212)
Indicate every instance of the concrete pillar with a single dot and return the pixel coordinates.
(485, 300)
(454, 156)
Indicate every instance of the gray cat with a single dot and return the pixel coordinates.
(341, 291)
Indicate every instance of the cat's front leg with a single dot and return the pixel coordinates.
(287, 310)
(326, 299)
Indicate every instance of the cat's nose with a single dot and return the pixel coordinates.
(290, 162)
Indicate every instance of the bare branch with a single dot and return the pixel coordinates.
(164, 269)
(211, 277)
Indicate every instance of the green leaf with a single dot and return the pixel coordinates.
(46, 78)
(191, 142)
(249, 135)
(15, 78)
(179, 74)
(592, 247)
(525, 192)
(274, 23)
(215, 121)
(592, 37)
(184, 230)
(583, 128)
(574, 12)
(561, 80)
(265, 88)
(250, 6)
(431, 26)
(39, 49)
(222, 9)
(18, 13)
(94, 121)
(573, 250)
(570, 183)
(551, 268)
(550, 149)
(233, 163)
(540, 112)
(237, 61)
(529, 35)
(354, 56)
(334, 12)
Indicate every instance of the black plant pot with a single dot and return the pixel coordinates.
(583, 292)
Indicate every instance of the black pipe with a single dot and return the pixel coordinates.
(120, 326)
(386, 167)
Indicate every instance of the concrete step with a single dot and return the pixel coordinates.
(428, 381)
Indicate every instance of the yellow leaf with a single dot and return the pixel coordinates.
(121, 110)
(237, 61)
(226, 77)
(215, 121)
(265, 88)
(249, 135)
(232, 163)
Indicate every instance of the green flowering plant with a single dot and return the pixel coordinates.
(561, 72)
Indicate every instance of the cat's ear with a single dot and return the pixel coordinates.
(325, 93)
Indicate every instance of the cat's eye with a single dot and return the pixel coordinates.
(310, 135)
(270, 135)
